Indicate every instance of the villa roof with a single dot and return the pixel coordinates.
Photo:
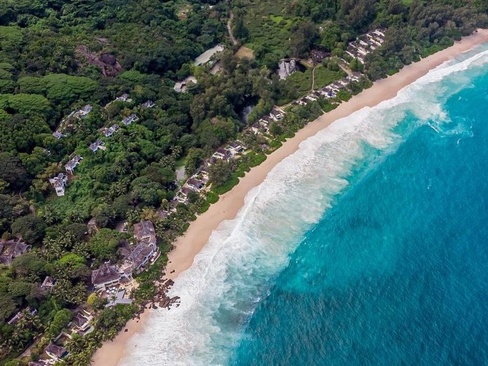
(124, 98)
(70, 165)
(38, 363)
(207, 55)
(235, 145)
(94, 146)
(48, 282)
(79, 320)
(87, 108)
(140, 253)
(148, 104)
(57, 134)
(59, 180)
(128, 120)
(144, 230)
(57, 351)
(195, 184)
(185, 191)
(11, 249)
(106, 273)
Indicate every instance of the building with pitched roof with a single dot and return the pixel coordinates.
(59, 183)
(148, 104)
(72, 164)
(83, 112)
(144, 232)
(58, 134)
(110, 130)
(81, 322)
(105, 276)
(48, 283)
(128, 120)
(97, 145)
(11, 249)
(56, 352)
(146, 248)
(141, 255)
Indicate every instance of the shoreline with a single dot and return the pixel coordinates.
(190, 244)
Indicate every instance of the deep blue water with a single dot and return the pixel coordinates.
(396, 271)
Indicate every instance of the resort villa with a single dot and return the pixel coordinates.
(72, 164)
(56, 352)
(128, 120)
(11, 249)
(105, 276)
(59, 183)
(136, 259)
(97, 145)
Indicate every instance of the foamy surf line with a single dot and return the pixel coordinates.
(228, 277)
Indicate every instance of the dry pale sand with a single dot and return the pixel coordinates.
(111, 352)
(197, 235)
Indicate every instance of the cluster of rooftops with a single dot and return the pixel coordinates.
(106, 280)
(10, 249)
(60, 181)
(329, 91)
(262, 125)
(365, 44)
(358, 49)
(55, 351)
(136, 258)
(198, 182)
(67, 122)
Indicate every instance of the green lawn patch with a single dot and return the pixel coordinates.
(324, 76)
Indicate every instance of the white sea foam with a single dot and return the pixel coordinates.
(231, 274)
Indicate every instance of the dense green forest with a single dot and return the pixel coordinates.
(58, 56)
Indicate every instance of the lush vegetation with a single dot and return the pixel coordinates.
(57, 56)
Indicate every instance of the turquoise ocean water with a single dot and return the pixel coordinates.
(369, 246)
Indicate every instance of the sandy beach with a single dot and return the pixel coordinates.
(197, 235)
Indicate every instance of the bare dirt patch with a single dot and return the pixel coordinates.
(245, 52)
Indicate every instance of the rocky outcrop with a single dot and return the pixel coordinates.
(287, 67)
(161, 299)
(106, 62)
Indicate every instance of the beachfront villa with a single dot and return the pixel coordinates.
(145, 251)
(144, 232)
(81, 323)
(141, 255)
(365, 44)
(118, 297)
(56, 352)
(105, 276)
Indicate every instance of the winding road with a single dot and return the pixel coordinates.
(229, 28)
